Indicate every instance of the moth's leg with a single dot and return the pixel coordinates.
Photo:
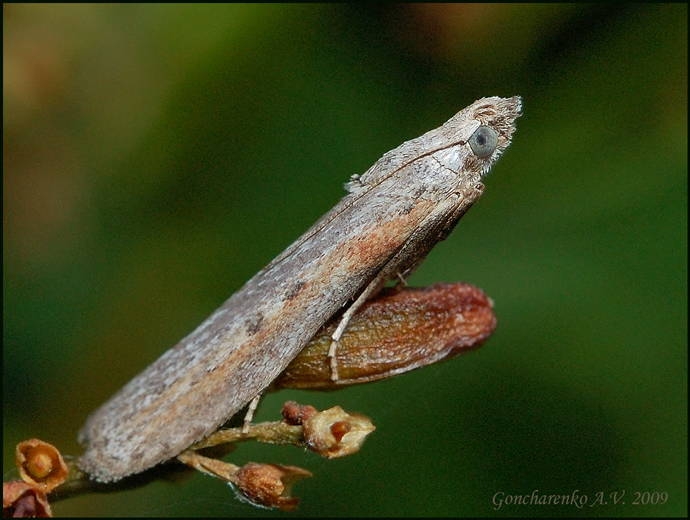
(253, 405)
(370, 290)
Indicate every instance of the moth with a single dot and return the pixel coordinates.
(392, 216)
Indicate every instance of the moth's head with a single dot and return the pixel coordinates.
(466, 146)
(496, 113)
(480, 133)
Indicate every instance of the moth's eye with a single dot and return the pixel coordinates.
(483, 141)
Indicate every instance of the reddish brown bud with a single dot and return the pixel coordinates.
(295, 413)
(339, 429)
(40, 465)
(396, 332)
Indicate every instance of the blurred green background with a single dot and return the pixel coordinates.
(155, 157)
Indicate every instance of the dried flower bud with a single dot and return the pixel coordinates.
(397, 332)
(295, 413)
(336, 433)
(22, 500)
(269, 485)
(40, 465)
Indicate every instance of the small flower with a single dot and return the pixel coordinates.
(269, 485)
(21, 500)
(40, 465)
(336, 433)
